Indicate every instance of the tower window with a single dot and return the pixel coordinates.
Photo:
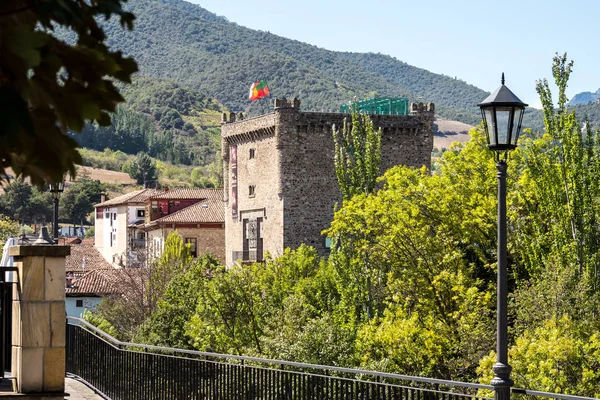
(251, 190)
(193, 244)
(252, 153)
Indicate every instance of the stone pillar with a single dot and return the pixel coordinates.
(38, 320)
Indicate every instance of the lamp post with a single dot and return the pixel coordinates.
(502, 114)
(56, 189)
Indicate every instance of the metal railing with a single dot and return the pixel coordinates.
(6, 298)
(138, 244)
(247, 256)
(123, 371)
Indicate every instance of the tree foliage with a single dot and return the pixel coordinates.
(357, 155)
(48, 86)
(143, 170)
(77, 202)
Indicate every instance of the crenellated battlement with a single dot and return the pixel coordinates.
(278, 171)
(417, 108)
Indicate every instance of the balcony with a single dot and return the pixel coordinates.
(248, 256)
(138, 244)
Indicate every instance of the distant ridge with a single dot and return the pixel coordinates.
(585, 98)
(183, 42)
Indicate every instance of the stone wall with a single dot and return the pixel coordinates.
(209, 240)
(257, 134)
(296, 183)
(38, 319)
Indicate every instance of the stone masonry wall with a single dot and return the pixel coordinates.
(300, 176)
(209, 240)
(261, 172)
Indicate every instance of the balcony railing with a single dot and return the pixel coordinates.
(247, 256)
(138, 244)
(126, 371)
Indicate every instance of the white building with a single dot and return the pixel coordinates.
(115, 235)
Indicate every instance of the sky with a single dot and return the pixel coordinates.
(474, 41)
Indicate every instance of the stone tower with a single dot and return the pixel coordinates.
(279, 178)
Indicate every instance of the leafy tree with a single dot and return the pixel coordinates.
(8, 228)
(40, 206)
(143, 170)
(50, 86)
(228, 316)
(556, 357)
(78, 200)
(167, 325)
(15, 200)
(357, 155)
(559, 212)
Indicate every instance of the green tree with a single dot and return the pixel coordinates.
(357, 155)
(40, 206)
(357, 162)
(143, 170)
(15, 200)
(8, 228)
(50, 86)
(167, 324)
(78, 200)
(558, 210)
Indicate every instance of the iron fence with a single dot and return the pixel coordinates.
(124, 371)
(6, 298)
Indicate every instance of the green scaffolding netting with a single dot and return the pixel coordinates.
(379, 105)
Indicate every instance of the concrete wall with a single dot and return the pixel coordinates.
(89, 303)
(106, 227)
(296, 187)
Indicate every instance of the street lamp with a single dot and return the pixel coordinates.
(502, 114)
(56, 189)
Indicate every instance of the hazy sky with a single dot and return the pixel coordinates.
(472, 40)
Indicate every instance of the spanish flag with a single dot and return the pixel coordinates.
(259, 90)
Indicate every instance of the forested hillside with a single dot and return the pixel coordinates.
(169, 122)
(180, 41)
(194, 64)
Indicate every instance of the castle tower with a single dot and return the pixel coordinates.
(279, 177)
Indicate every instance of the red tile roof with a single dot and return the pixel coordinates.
(83, 258)
(137, 196)
(189, 194)
(205, 211)
(108, 281)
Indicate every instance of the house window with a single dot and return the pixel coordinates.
(115, 216)
(154, 207)
(140, 213)
(78, 303)
(193, 244)
(251, 190)
(252, 153)
(106, 215)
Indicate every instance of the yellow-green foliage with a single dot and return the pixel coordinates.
(555, 357)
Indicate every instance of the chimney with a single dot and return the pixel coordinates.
(102, 197)
(166, 189)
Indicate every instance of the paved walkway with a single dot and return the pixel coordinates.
(79, 391)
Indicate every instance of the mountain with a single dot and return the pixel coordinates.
(585, 98)
(193, 47)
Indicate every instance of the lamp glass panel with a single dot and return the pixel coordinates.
(502, 121)
(517, 125)
(491, 127)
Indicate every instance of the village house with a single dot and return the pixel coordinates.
(133, 227)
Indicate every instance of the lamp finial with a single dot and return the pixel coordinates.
(503, 78)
